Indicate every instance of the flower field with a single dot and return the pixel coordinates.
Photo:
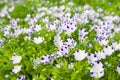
(59, 40)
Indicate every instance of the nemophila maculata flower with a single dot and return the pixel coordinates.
(6, 76)
(15, 59)
(80, 55)
(116, 46)
(45, 59)
(92, 58)
(63, 51)
(51, 26)
(70, 42)
(83, 18)
(1, 41)
(89, 45)
(108, 50)
(97, 70)
(57, 41)
(100, 55)
(82, 33)
(22, 77)
(36, 62)
(38, 40)
(118, 69)
(6, 11)
(37, 28)
(71, 66)
(16, 69)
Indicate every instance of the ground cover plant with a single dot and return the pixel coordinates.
(59, 40)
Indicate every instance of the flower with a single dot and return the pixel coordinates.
(82, 33)
(1, 41)
(100, 55)
(57, 41)
(80, 55)
(103, 42)
(116, 46)
(118, 69)
(83, 18)
(36, 61)
(86, 6)
(97, 70)
(70, 66)
(70, 42)
(37, 28)
(63, 51)
(51, 26)
(6, 76)
(15, 59)
(16, 69)
(92, 58)
(22, 77)
(96, 74)
(46, 59)
(38, 40)
(108, 50)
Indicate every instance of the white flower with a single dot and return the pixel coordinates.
(98, 66)
(46, 59)
(58, 54)
(70, 66)
(38, 40)
(70, 4)
(59, 65)
(51, 26)
(11, 9)
(80, 55)
(97, 70)
(6, 76)
(86, 6)
(103, 42)
(100, 10)
(15, 59)
(108, 50)
(36, 61)
(16, 69)
(16, 33)
(89, 45)
(1, 41)
(82, 32)
(116, 45)
(96, 74)
(22, 77)
(100, 55)
(50, 79)
(92, 58)
(118, 69)
(45, 20)
(83, 18)
(70, 42)
(37, 28)
(57, 41)
(62, 8)
(63, 51)
(59, 30)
